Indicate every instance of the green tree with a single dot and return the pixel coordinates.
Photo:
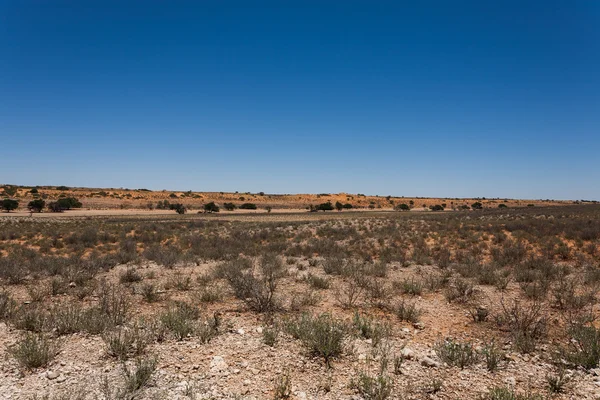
(36, 205)
(402, 207)
(66, 203)
(229, 206)
(477, 205)
(248, 206)
(211, 207)
(339, 206)
(325, 206)
(9, 204)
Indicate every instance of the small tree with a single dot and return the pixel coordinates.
(54, 207)
(339, 206)
(436, 207)
(163, 205)
(248, 206)
(268, 208)
(211, 207)
(178, 207)
(477, 205)
(229, 206)
(402, 207)
(325, 206)
(66, 203)
(502, 205)
(36, 205)
(348, 206)
(9, 204)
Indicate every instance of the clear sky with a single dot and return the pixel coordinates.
(416, 98)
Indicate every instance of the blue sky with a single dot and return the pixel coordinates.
(435, 98)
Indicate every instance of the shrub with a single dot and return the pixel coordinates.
(67, 319)
(137, 378)
(9, 204)
(317, 282)
(492, 356)
(114, 304)
(248, 206)
(461, 291)
(149, 292)
(283, 387)
(179, 208)
(229, 206)
(350, 292)
(124, 343)
(477, 205)
(270, 335)
(504, 393)
(369, 329)
(66, 203)
(557, 382)
(378, 387)
(527, 323)
(402, 207)
(256, 288)
(181, 320)
(322, 335)
(7, 305)
(211, 207)
(408, 312)
(456, 353)
(584, 349)
(130, 275)
(325, 206)
(412, 286)
(34, 351)
(36, 205)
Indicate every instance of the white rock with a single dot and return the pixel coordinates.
(259, 330)
(51, 375)
(218, 364)
(428, 362)
(407, 353)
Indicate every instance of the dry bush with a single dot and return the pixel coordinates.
(256, 288)
(527, 323)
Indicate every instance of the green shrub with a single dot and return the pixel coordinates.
(211, 207)
(137, 378)
(408, 312)
(181, 320)
(456, 353)
(229, 206)
(322, 335)
(34, 351)
(377, 387)
(584, 349)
